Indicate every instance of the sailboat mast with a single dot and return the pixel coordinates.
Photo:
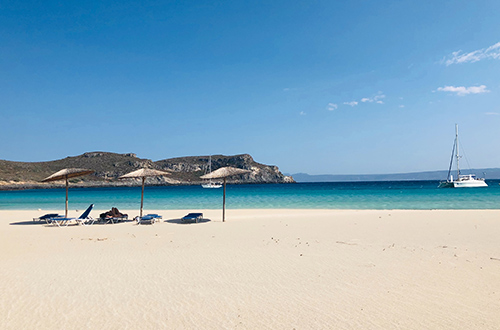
(457, 155)
(210, 166)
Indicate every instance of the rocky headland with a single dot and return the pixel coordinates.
(109, 166)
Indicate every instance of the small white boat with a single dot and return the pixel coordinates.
(210, 183)
(462, 181)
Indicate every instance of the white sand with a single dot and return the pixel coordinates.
(262, 269)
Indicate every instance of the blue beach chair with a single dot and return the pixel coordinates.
(154, 215)
(85, 219)
(47, 217)
(149, 219)
(192, 217)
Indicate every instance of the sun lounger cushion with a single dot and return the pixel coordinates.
(147, 219)
(48, 216)
(192, 216)
(153, 215)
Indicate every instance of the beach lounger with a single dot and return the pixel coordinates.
(148, 219)
(112, 216)
(156, 217)
(113, 219)
(85, 219)
(192, 217)
(47, 216)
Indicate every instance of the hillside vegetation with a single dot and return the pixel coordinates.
(109, 166)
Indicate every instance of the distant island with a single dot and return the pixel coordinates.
(109, 166)
(488, 173)
(184, 170)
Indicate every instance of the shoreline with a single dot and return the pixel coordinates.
(299, 212)
(269, 269)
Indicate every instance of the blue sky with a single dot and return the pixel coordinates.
(322, 87)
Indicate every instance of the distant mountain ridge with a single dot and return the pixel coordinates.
(488, 173)
(109, 166)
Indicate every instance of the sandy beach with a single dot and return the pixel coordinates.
(262, 269)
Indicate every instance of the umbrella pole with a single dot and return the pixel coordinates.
(224, 203)
(66, 213)
(142, 194)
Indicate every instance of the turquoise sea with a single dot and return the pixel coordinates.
(417, 195)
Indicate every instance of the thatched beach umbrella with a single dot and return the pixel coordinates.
(144, 173)
(224, 172)
(65, 174)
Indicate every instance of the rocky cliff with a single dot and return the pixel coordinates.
(109, 166)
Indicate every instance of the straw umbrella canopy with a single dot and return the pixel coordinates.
(65, 174)
(224, 173)
(144, 173)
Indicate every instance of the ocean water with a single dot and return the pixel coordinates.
(416, 195)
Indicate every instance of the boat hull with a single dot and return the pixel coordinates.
(463, 184)
(469, 184)
(446, 184)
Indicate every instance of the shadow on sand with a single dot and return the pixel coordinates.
(175, 221)
(31, 222)
(181, 222)
(27, 223)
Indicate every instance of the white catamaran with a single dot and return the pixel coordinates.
(210, 183)
(462, 181)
